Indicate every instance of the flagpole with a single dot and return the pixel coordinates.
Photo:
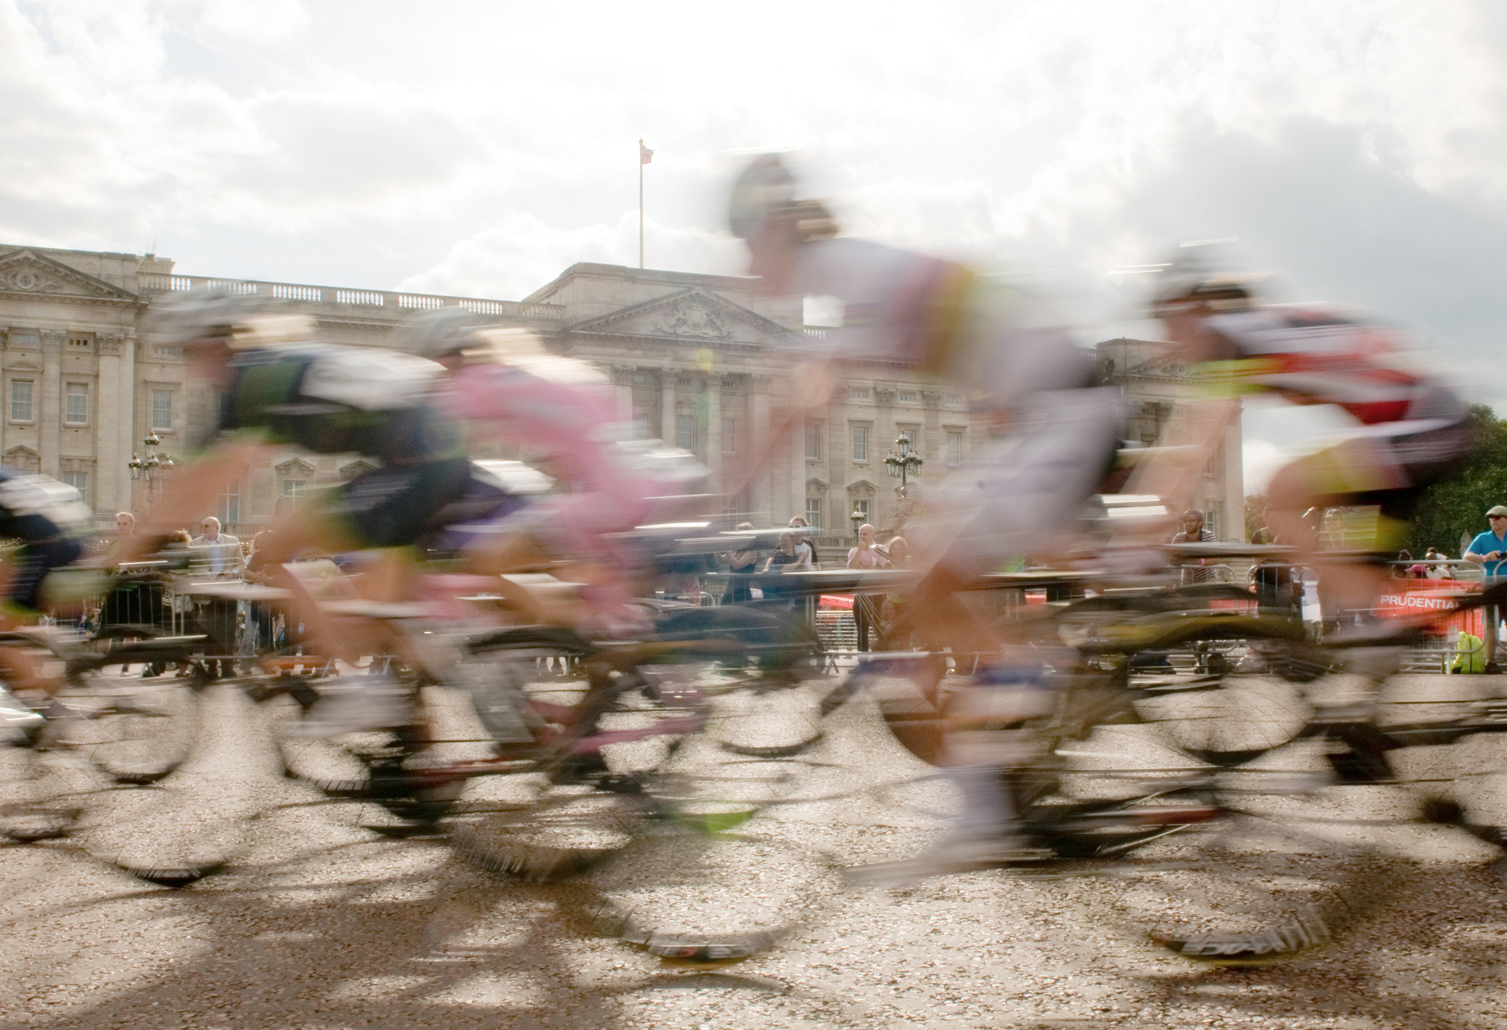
(640, 205)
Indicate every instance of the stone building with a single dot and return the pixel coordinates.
(704, 362)
(1154, 386)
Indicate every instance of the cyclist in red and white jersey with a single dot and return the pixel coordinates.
(1412, 428)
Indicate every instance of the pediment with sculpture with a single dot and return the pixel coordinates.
(696, 316)
(29, 273)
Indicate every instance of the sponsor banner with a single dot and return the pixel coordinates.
(1431, 595)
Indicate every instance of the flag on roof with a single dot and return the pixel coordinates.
(645, 155)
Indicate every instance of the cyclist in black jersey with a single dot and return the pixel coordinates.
(279, 388)
(52, 523)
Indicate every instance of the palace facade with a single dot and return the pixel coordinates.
(704, 362)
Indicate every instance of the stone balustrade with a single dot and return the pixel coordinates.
(336, 300)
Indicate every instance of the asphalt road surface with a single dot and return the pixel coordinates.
(320, 922)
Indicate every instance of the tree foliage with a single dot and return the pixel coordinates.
(1254, 520)
(1457, 505)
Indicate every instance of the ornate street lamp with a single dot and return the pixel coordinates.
(904, 463)
(857, 518)
(152, 466)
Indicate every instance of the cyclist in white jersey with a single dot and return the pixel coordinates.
(1013, 497)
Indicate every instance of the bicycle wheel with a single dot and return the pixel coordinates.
(389, 767)
(43, 794)
(136, 731)
(1257, 864)
(1224, 695)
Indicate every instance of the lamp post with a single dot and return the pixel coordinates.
(151, 467)
(904, 463)
(857, 518)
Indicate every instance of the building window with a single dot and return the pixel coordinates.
(858, 393)
(952, 400)
(20, 400)
(814, 513)
(860, 443)
(640, 377)
(26, 338)
(80, 341)
(861, 509)
(685, 432)
(813, 441)
(228, 508)
(162, 411)
(80, 482)
(729, 436)
(909, 397)
(76, 404)
(293, 488)
(954, 447)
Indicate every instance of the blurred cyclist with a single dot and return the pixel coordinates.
(1015, 496)
(279, 388)
(1412, 428)
(51, 522)
(564, 415)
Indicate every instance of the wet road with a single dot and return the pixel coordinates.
(323, 923)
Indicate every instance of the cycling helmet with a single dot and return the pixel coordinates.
(238, 321)
(765, 191)
(1192, 277)
(437, 334)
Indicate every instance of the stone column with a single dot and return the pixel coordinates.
(125, 393)
(49, 414)
(760, 497)
(1233, 471)
(667, 406)
(112, 428)
(622, 378)
(713, 386)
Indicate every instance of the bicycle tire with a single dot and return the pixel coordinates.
(379, 766)
(1274, 866)
(1221, 708)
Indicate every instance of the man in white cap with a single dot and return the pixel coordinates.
(1489, 550)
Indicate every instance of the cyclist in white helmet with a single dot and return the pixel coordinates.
(1013, 497)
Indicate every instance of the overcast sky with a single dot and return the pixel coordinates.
(1355, 147)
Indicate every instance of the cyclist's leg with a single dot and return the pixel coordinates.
(1388, 466)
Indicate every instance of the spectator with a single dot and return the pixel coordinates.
(1263, 535)
(788, 558)
(1488, 550)
(898, 553)
(125, 528)
(743, 561)
(865, 606)
(221, 553)
(1272, 578)
(803, 542)
(1192, 531)
(1436, 568)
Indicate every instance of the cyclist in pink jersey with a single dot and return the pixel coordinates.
(564, 415)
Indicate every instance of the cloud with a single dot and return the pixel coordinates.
(1261, 459)
(372, 147)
